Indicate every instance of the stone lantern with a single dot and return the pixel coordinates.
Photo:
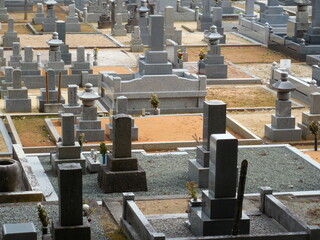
(54, 43)
(143, 10)
(283, 87)
(55, 61)
(88, 96)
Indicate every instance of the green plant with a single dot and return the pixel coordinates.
(81, 139)
(314, 129)
(95, 54)
(154, 101)
(42, 214)
(191, 186)
(103, 148)
(201, 54)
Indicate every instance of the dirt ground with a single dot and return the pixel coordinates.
(314, 154)
(3, 146)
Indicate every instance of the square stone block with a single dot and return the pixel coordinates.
(17, 231)
(198, 173)
(203, 156)
(82, 232)
(55, 161)
(283, 108)
(121, 164)
(283, 122)
(282, 134)
(67, 152)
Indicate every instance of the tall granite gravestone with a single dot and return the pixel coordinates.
(72, 21)
(119, 29)
(136, 42)
(10, 36)
(216, 215)
(122, 108)
(313, 34)
(52, 91)
(69, 150)
(170, 31)
(81, 64)
(308, 117)
(17, 99)
(39, 16)
(3, 12)
(73, 106)
(88, 123)
(296, 27)
(144, 22)
(273, 14)
(29, 66)
(61, 30)
(282, 127)
(16, 57)
(213, 65)
(214, 121)
(249, 10)
(7, 82)
(205, 21)
(133, 19)
(55, 62)
(122, 172)
(71, 224)
(155, 60)
(49, 23)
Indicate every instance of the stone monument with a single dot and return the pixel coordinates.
(122, 172)
(3, 60)
(282, 127)
(16, 57)
(312, 36)
(17, 99)
(10, 36)
(72, 21)
(213, 65)
(170, 32)
(39, 16)
(3, 12)
(133, 19)
(214, 121)
(71, 224)
(61, 30)
(273, 14)
(144, 22)
(69, 150)
(216, 215)
(49, 23)
(136, 42)
(81, 64)
(105, 19)
(205, 21)
(121, 8)
(88, 123)
(119, 29)
(29, 66)
(73, 106)
(7, 82)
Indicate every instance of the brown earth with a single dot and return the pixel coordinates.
(3, 146)
(314, 154)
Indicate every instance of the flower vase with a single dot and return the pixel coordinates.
(201, 66)
(180, 62)
(104, 159)
(156, 111)
(95, 63)
(45, 230)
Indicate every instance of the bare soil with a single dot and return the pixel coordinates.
(3, 146)
(164, 206)
(314, 154)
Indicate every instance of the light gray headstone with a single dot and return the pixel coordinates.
(28, 54)
(10, 25)
(249, 7)
(315, 103)
(51, 79)
(217, 16)
(122, 105)
(72, 95)
(156, 33)
(136, 32)
(61, 30)
(169, 17)
(39, 8)
(118, 19)
(315, 14)
(16, 48)
(206, 8)
(67, 125)
(72, 10)
(80, 54)
(16, 78)
(8, 73)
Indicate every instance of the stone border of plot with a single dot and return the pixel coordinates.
(6, 139)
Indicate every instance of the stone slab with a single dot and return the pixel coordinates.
(55, 161)
(122, 164)
(15, 231)
(82, 232)
(282, 134)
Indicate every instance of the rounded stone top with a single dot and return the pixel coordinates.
(50, 2)
(55, 41)
(213, 34)
(143, 8)
(88, 96)
(284, 86)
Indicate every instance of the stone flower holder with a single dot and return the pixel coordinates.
(10, 175)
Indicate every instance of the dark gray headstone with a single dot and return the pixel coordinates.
(16, 79)
(156, 32)
(61, 30)
(51, 79)
(121, 144)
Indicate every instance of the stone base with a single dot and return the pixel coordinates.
(91, 135)
(73, 27)
(121, 164)
(82, 232)
(17, 105)
(201, 225)
(215, 70)
(134, 132)
(92, 166)
(136, 48)
(126, 181)
(7, 41)
(198, 173)
(76, 110)
(119, 32)
(42, 102)
(282, 134)
(52, 108)
(204, 24)
(55, 161)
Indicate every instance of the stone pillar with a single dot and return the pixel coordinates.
(67, 126)
(122, 105)
(72, 95)
(16, 79)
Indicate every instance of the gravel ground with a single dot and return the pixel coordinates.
(175, 227)
(168, 174)
(28, 213)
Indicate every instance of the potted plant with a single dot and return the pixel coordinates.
(95, 56)
(103, 150)
(201, 64)
(180, 58)
(43, 216)
(81, 140)
(314, 129)
(194, 201)
(155, 103)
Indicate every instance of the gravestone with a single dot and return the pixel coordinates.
(39, 16)
(88, 123)
(144, 22)
(122, 172)
(69, 150)
(312, 115)
(121, 8)
(273, 14)
(249, 10)
(155, 60)
(213, 65)
(105, 19)
(16, 57)
(81, 64)
(313, 35)
(95, 9)
(3, 60)
(7, 82)
(3, 12)
(133, 18)
(118, 28)
(226, 6)
(61, 30)
(170, 31)
(136, 42)
(17, 99)
(214, 121)
(205, 21)
(122, 108)
(29, 66)
(282, 127)
(55, 61)
(72, 21)
(52, 91)
(71, 224)
(80, 4)
(49, 23)
(10, 36)
(217, 21)
(73, 105)
(216, 215)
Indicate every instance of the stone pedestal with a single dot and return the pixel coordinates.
(28, 66)
(80, 65)
(16, 57)
(104, 22)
